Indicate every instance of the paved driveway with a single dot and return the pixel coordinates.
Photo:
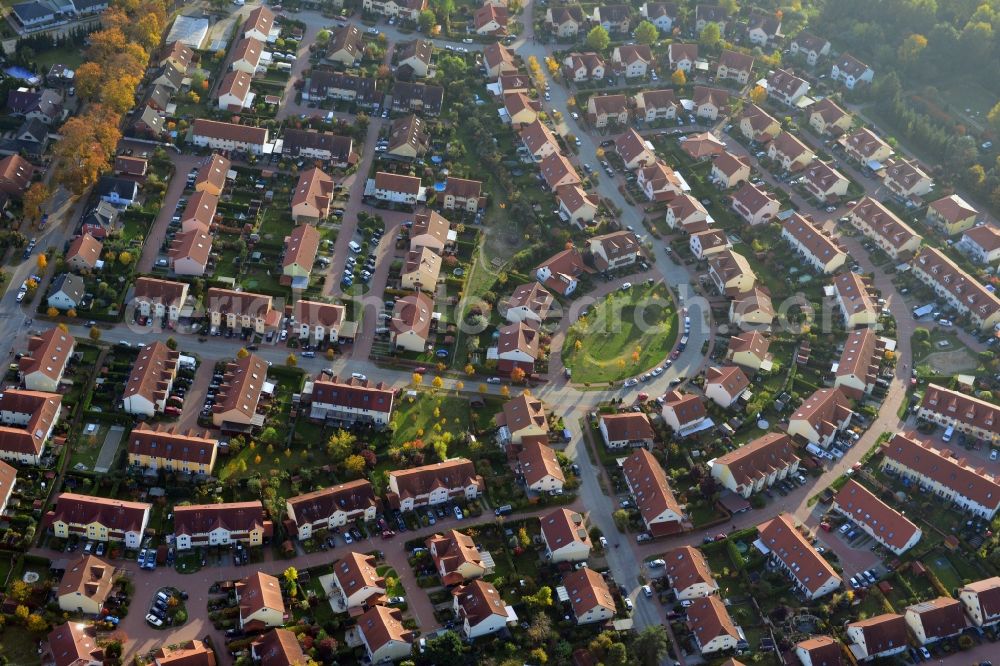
(108, 449)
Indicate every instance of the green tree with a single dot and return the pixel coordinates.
(617, 655)
(426, 20)
(445, 650)
(340, 445)
(542, 598)
(621, 519)
(650, 646)
(598, 38)
(354, 466)
(646, 33)
(710, 36)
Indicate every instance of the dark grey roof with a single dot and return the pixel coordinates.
(69, 284)
(123, 187)
(28, 11)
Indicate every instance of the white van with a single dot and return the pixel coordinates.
(948, 433)
(355, 248)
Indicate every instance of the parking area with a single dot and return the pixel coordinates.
(167, 608)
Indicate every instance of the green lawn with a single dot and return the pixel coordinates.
(944, 570)
(627, 333)
(417, 416)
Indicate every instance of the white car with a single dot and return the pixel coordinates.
(20, 296)
(626, 286)
(654, 564)
(993, 454)
(628, 604)
(603, 541)
(283, 336)
(153, 620)
(458, 513)
(631, 382)
(348, 538)
(359, 376)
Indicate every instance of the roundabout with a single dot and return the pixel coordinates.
(629, 332)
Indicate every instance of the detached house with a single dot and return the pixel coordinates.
(633, 60)
(981, 244)
(756, 465)
(683, 412)
(518, 347)
(818, 651)
(529, 302)
(86, 585)
(498, 60)
(412, 318)
(750, 350)
(763, 29)
(356, 579)
(825, 183)
(456, 558)
(810, 47)
(758, 125)
(312, 197)
(481, 609)
(850, 71)
(789, 152)
(381, 629)
(490, 20)
(711, 625)
(565, 22)
(346, 46)
(560, 273)
(709, 242)
(189, 253)
(827, 118)
(951, 214)
(260, 602)
(754, 205)
(734, 66)
(728, 170)
(589, 596)
(688, 572)
(660, 183)
(614, 250)
(626, 430)
(705, 14)
(522, 418)
(614, 18)
(565, 535)
(635, 151)
(818, 420)
(661, 14)
(682, 56)
(538, 465)
(710, 102)
(731, 273)
(785, 87)
(724, 385)
(687, 213)
(655, 105)
(604, 110)
(43, 366)
(407, 138)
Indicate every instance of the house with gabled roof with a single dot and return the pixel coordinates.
(481, 609)
(656, 105)
(981, 244)
(688, 573)
(604, 110)
(981, 601)
(538, 465)
(879, 636)
(888, 527)
(850, 71)
(866, 147)
(661, 14)
(682, 56)
(731, 273)
(632, 59)
(357, 580)
(959, 289)
(561, 272)
(758, 125)
(952, 214)
(788, 151)
(456, 558)
(710, 102)
(332, 507)
(433, 484)
(98, 519)
(812, 244)
(42, 367)
(734, 66)
(381, 629)
(683, 412)
(626, 430)
(782, 542)
(711, 625)
(616, 19)
(906, 179)
(565, 21)
(729, 170)
(755, 205)
(529, 302)
(825, 183)
(821, 416)
(810, 47)
(260, 602)
(935, 620)
(826, 117)
(750, 350)
(163, 448)
(818, 651)
(724, 385)
(201, 525)
(408, 138)
(647, 482)
(968, 414)
(757, 465)
(892, 235)
(857, 369)
(589, 596)
(564, 533)
(785, 87)
(752, 309)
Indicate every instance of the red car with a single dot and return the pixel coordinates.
(172, 411)
(643, 397)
